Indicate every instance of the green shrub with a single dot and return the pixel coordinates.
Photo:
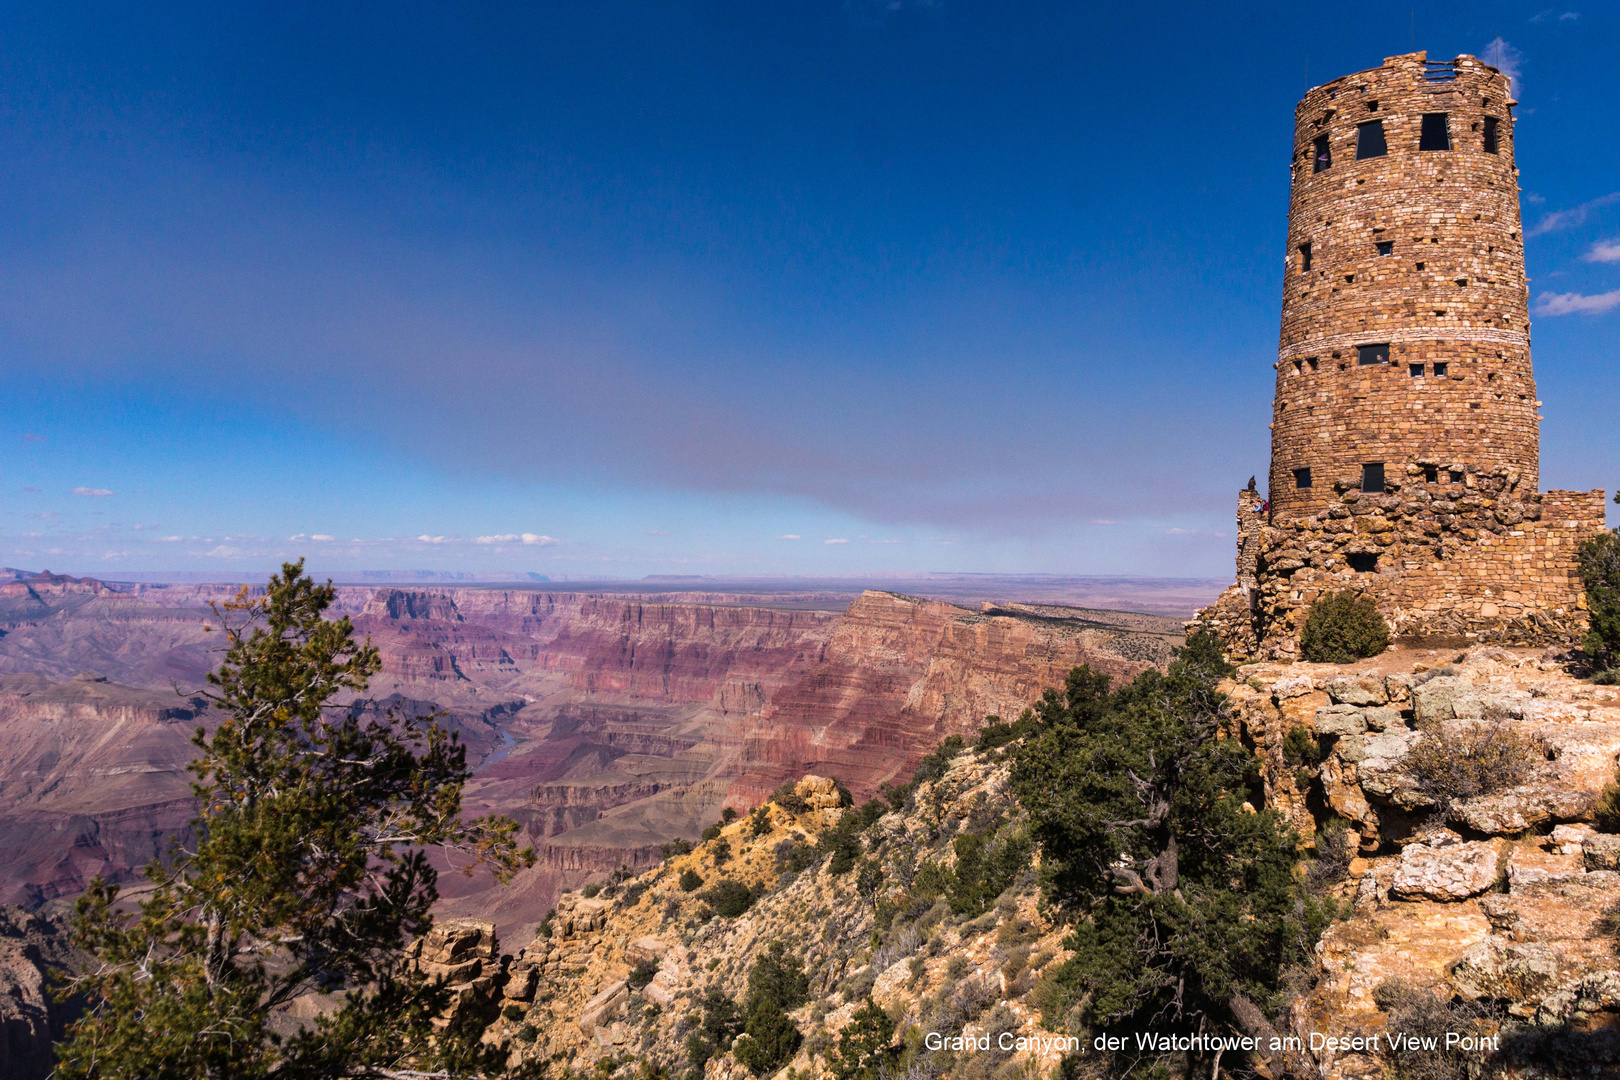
(527, 1033)
(985, 867)
(727, 816)
(759, 822)
(776, 984)
(793, 856)
(863, 1049)
(1186, 903)
(842, 845)
(1343, 628)
(513, 1013)
(675, 847)
(721, 851)
(1464, 761)
(642, 974)
(787, 797)
(711, 833)
(1300, 747)
(729, 898)
(591, 890)
(1600, 571)
(690, 879)
(721, 1023)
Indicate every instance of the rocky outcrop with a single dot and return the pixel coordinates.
(36, 957)
(1445, 868)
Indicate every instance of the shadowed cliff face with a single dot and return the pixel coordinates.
(606, 724)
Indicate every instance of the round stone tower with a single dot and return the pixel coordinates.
(1405, 346)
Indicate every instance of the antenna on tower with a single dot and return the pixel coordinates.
(1414, 29)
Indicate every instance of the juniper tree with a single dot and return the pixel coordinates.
(1186, 907)
(309, 874)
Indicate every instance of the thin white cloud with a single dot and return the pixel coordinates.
(539, 540)
(1604, 251)
(321, 537)
(94, 493)
(790, 536)
(835, 540)
(33, 490)
(1506, 59)
(498, 538)
(29, 436)
(1553, 13)
(426, 539)
(298, 539)
(1575, 215)
(169, 539)
(1577, 304)
(1180, 532)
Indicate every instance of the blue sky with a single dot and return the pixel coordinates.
(782, 288)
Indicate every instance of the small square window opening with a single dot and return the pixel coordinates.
(1386, 247)
(1431, 474)
(1372, 477)
(1415, 370)
(1435, 133)
(1455, 476)
(1363, 562)
(1370, 140)
(1440, 369)
(1372, 354)
(1302, 478)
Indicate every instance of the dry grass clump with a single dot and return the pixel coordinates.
(1468, 760)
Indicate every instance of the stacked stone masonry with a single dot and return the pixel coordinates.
(1405, 438)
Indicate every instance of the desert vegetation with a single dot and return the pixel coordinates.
(308, 875)
(1342, 628)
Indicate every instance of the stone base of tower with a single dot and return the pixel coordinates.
(1482, 560)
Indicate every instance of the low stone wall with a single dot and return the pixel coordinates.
(1482, 559)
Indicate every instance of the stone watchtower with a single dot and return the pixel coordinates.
(1405, 445)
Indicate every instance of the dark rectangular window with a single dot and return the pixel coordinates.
(1371, 354)
(1440, 369)
(1302, 478)
(1370, 140)
(1492, 145)
(1386, 247)
(1363, 562)
(1321, 155)
(1304, 257)
(1435, 134)
(1372, 477)
(1431, 474)
(1415, 370)
(1454, 475)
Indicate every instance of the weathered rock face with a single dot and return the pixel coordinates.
(1446, 871)
(1504, 907)
(92, 780)
(33, 950)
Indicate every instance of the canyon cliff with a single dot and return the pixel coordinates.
(606, 724)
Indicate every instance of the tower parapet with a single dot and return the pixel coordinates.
(1405, 434)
